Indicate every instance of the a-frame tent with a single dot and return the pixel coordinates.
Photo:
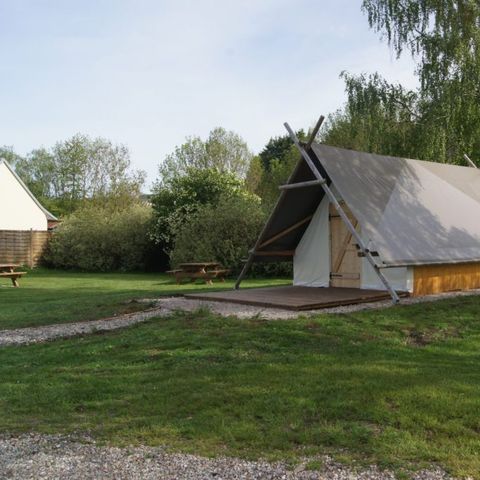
(350, 218)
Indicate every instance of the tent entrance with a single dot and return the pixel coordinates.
(345, 264)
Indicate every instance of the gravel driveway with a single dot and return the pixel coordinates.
(35, 456)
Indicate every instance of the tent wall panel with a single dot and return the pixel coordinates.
(311, 263)
(430, 279)
(400, 278)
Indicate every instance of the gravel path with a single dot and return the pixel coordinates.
(36, 456)
(166, 305)
(23, 336)
(248, 311)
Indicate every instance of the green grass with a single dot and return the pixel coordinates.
(49, 296)
(399, 387)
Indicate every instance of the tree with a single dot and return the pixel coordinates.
(444, 37)
(223, 232)
(175, 200)
(8, 154)
(273, 167)
(81, 170)
(37, 170)
(254, 174)
(378, 117)
(276, 149)
(223, 150)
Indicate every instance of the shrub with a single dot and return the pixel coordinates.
(101, 239)
(223, 232)
(178, 199)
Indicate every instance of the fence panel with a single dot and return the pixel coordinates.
(24, 247)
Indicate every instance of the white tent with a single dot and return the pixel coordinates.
(397, 214)
(19, 209)
(411, 212)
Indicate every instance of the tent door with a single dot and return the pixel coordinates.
(345, 264)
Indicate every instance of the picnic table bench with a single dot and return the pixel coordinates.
(206, 271)
(7, 270)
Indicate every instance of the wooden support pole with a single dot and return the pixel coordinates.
(309, 183)
(286, 231)
(314, 132)
(244, 271)
(469, 160)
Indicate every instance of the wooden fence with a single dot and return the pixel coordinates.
(23, 247)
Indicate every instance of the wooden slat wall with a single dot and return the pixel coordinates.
(429, 279)
(24, 247)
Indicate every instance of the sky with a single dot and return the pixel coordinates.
(148, 73)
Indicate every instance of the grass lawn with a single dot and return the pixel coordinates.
(399, 387)
(49, 296)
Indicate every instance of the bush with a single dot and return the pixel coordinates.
(176, 200)
(223, 232)
(272, 269)
(101, 239)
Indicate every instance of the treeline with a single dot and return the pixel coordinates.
(209, 201)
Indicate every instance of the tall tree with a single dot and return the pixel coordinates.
(8, 154)
(78, 170)
(378, 117)
(37, 170)
(224, 151)
(272, 167)
(444, 37)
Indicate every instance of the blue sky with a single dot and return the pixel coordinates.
(148, 73)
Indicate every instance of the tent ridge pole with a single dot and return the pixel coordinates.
(343, 215)
(309, 183)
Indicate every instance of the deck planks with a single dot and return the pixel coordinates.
(294, 297)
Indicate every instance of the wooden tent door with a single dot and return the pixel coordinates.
(345, 264)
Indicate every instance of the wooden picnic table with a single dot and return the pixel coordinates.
(7, 270)
(204, 270)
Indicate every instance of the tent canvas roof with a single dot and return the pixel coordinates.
(49, 215)
(411, 211)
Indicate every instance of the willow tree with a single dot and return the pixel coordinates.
(378, 117)
(443, 36)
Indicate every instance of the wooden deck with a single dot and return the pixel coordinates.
(294, 298)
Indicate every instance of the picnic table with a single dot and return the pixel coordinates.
(7, 270)
(204, 270)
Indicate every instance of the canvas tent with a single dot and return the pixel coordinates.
(416, 223)
(24, 222)
(19, 209)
